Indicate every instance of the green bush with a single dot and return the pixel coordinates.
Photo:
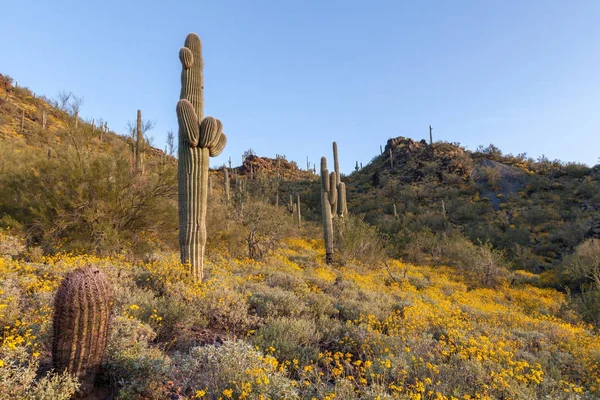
(136, 368)
(291, 338)
(354, 239)
(18, 379)
(234, 368)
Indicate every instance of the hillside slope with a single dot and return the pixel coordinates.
(536, 211)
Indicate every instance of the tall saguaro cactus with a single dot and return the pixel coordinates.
(326, 208)
(199, 139)
(82, 313)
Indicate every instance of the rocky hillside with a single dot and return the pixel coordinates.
(536, 210)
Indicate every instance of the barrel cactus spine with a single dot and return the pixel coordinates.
(82, 314)
(199, 139)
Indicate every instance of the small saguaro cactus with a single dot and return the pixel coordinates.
(199, 139)
(326, 208)
(82, 314)
(138, 150)
(299, 213)
(226, 183)
(430, 135)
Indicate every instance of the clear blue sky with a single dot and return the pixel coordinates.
(290, 77)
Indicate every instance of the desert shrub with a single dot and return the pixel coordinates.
(87, 200)
(247, 227)
(291, 339)
(420, 247)
(232, 370)
(270, 302)
(226, 310)
(18, 378)
(587, 304)
(482, 264)
(355, 239)
(133, 366)
(289, 282)
(492, 177)
(319, 305)
(583, 266)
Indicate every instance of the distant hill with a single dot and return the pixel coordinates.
(536, 210)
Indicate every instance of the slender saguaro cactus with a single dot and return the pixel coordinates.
(82, 313)
(395, 212)
(44, 119)
(430, 135)
(23, 121)
(199, 139)
(226, 181)
(299, 213)
(391, 158)
(139, 144)
(326, 210)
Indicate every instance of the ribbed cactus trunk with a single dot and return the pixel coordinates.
(226, 183)
(82, 313)
(339, 208)
(326, 211)
(139, 144)
(299, 213)
(336, 164)
(199, 139)
(342, 208)
(430, 135)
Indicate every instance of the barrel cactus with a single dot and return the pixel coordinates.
(199, 139)
(82, 314)
(326, 207)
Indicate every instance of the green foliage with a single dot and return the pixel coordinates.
(211, 370)
(87, 200)
(291, 338)
(355, 240)
(133, 366)
(18, 377)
